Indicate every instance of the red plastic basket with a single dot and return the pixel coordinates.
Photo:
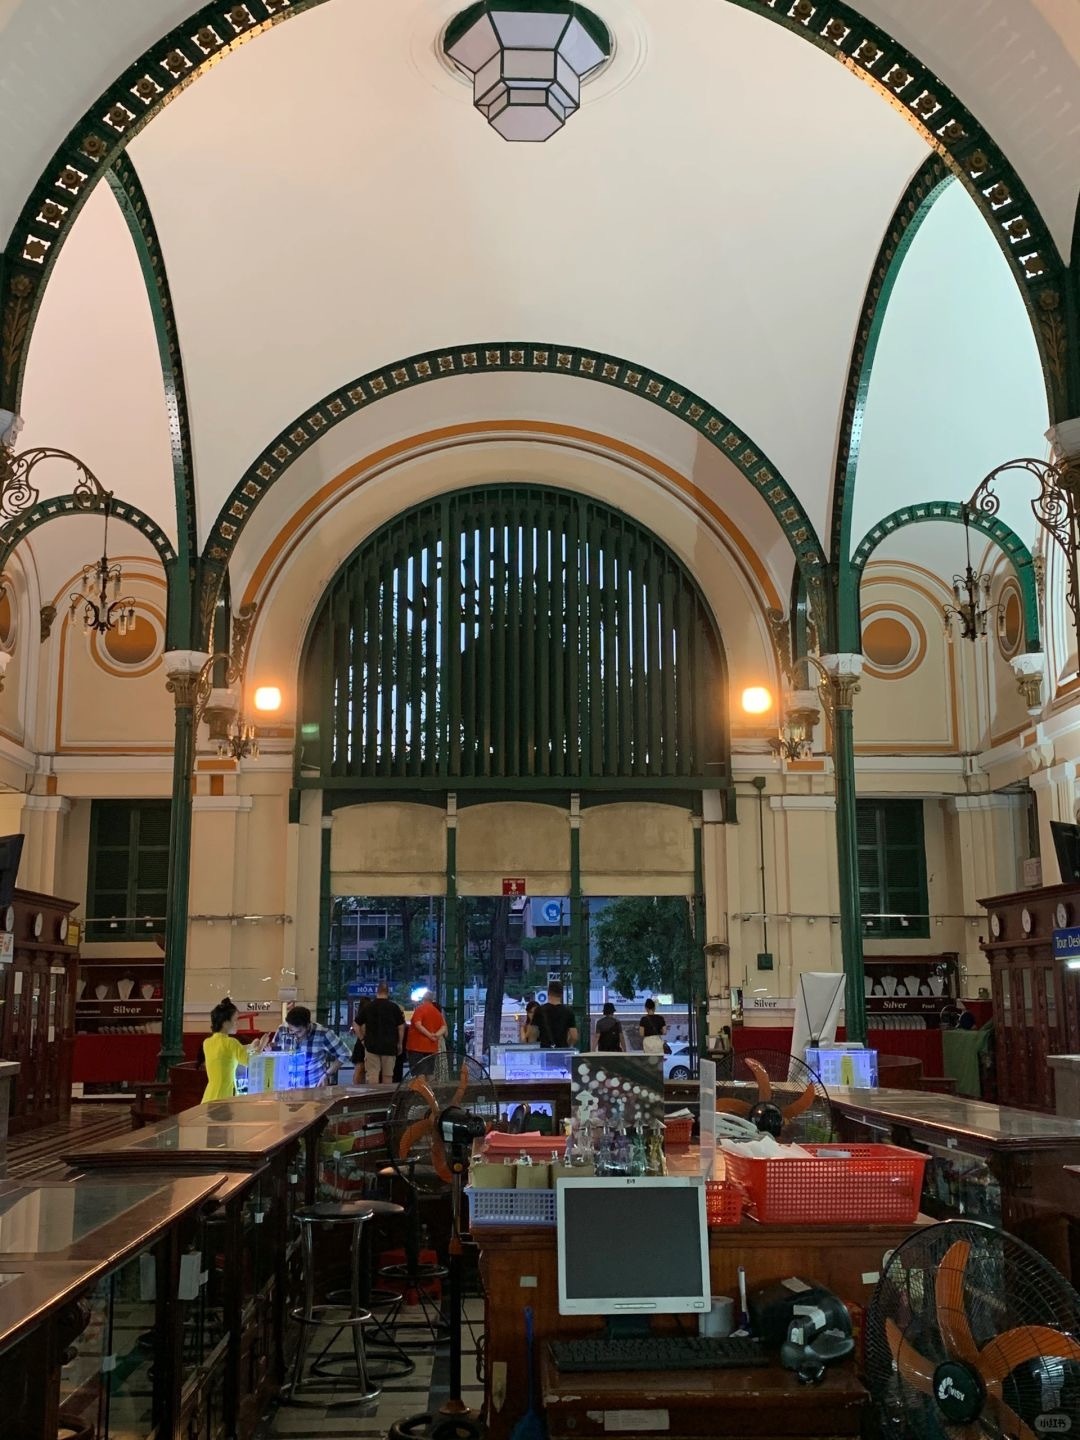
(678, 1132)
(723, 1203)
(840, 1185)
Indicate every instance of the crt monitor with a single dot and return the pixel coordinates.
(1067, 845)
(633, 1245)
(10, 855)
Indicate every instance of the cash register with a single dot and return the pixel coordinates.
(630, 1248)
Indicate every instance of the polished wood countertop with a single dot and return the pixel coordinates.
(995, 1126)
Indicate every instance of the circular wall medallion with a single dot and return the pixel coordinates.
(995, 926)
(138, 651)
(1061, 915)
(893, 642)
(1011, 631)
(7, 622)
(1027, 920)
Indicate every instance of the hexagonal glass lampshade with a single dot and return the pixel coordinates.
(527, 59)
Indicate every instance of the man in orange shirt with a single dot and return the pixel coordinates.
(426, 1028)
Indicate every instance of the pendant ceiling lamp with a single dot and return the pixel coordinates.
(527, 60)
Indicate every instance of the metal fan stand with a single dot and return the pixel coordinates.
(414, 1278)
(454, 1420)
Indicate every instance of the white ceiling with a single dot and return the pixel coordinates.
(352, 209)
(1014, 63)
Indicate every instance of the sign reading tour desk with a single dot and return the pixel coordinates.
(1067, 944)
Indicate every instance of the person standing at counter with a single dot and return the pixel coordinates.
(427, 1031)
(609, 1034)
(383, 1035)
(320, 1053)
(652, 1028)
(555, 1022)
(223, 1054)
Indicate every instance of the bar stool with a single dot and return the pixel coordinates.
(388, 1361)
(352, 1317)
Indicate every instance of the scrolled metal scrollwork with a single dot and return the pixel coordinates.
(1056, 508)
(19, 493)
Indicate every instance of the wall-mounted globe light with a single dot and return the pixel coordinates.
(527, 59)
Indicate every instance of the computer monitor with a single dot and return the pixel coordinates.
(1067, 845)
(633, 1245)
(10, 855)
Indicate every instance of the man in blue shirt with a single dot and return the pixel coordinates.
(320, 1053)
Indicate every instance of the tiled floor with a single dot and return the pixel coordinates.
(421, 1392)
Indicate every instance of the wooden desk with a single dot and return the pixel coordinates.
(765, 1401)
(519, 1268)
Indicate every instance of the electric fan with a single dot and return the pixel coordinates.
(781, 1095)
(972, 1335)
(434, 1116)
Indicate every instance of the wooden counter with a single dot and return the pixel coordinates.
(518, 1266)
(987, 1162)
(762, 1401)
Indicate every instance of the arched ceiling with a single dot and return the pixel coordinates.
(1014, 63)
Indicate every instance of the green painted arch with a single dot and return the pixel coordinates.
(930, 180)
(995, 529)
(124, 181)
(179, 58)
(514, 357)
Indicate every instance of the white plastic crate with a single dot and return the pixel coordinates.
(510, 1207)
(843, 1065)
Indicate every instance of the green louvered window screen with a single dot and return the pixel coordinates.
(513, 632)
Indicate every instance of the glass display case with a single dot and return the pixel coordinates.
(986, 1162)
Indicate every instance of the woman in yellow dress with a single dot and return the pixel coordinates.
(223, 1053)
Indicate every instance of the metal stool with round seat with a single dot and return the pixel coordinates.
(387, 1359)
(337, 1317)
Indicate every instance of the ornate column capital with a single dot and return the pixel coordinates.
(1030, 671)
(841, 673)
(182, 671)
(1064, 438)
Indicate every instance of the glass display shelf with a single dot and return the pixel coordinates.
(36, 1220)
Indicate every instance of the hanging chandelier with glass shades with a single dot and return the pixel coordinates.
(970, 613)
(527, 60)
(103, 606)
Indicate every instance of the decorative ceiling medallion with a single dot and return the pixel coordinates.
(527, 60)
(138, 650)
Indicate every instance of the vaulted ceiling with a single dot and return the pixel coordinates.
(328, 203)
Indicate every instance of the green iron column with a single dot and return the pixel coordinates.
(182, 668)
(841, 682)
(699, 974)
(327, 977)
(453, 970)
(579, 946)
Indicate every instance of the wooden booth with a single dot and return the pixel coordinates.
(1036, 999)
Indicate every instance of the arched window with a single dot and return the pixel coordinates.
(513, 633)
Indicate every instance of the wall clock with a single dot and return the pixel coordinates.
(995, 926)
(1027, 920)
(39, 925)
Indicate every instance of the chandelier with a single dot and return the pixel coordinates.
(971, 610)
(527, 60)
(103, 607)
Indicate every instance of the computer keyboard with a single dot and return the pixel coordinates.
(658, 1352)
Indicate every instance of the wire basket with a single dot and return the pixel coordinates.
(837, 1185)
(723, 1203)
(678, 1132)
(511, 1207)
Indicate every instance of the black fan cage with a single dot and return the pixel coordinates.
(1014, 1305)
(789, 1078)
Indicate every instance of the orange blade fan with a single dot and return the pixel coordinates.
(1004, 1353)
(412, 1134)
(1010, 1423)
(419, 1086)
(733, 1107)
(951, 1315)
(463, 1084)
(918, 1373)
(761, 1075)
(800, 1104)
(439, 1161)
